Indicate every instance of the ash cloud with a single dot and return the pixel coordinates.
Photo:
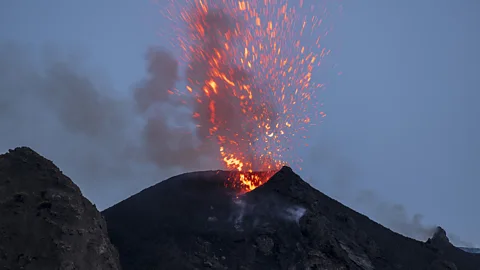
(109, 145)
(395, 216)
(168, 137)
(392, 215)
(56, 104)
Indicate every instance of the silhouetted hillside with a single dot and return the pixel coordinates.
(45, 222)
(192, 221)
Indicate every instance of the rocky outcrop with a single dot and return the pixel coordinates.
(45, 222)
(439, 239)
(447, 256)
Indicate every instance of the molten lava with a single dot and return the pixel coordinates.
(249, 68)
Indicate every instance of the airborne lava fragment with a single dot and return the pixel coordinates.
(249, 67)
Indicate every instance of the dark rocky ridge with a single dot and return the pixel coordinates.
(192, 221)
(45, 222)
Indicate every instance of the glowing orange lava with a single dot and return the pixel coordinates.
(251, 76)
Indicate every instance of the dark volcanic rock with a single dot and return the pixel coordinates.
(192, 221)
(440, 239)
(45, 222)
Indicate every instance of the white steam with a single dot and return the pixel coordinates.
(257, 213)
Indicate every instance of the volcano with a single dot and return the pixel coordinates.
(197, 221)
(192, 221)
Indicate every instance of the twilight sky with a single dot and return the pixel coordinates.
(399, 138)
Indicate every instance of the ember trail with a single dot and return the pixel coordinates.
(249, 68)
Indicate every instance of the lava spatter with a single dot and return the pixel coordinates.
(249, 67)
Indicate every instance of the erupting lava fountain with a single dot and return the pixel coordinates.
(249, 68)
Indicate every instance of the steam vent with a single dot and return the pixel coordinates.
(193, 221)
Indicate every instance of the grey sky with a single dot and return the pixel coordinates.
(401, 125)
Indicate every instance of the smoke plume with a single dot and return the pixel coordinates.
(54, 105)
(168, 137)
(342, 172)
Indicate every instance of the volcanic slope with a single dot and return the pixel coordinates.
(45, 222)
(192, 221)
